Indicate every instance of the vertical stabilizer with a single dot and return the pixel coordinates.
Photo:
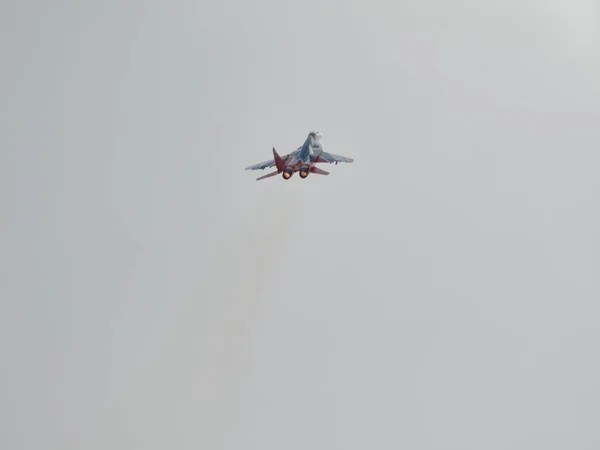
(279, 162)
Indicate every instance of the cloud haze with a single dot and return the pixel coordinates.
(441, 292)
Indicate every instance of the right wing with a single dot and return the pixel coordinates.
(331, 158)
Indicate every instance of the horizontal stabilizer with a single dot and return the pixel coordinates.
(318, 171)
(272, 174)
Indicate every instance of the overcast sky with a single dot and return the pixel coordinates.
(441, 292)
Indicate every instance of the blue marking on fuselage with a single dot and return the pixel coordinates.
(304, 154)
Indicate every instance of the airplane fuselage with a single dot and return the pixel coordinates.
(302, 161)
(306, 149)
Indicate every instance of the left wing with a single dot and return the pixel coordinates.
(262, 165)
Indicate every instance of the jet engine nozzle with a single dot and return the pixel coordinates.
(304, 171)
(287, 173)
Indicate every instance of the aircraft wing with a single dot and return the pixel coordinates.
(332, 158)
(262, 165)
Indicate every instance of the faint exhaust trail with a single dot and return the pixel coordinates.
(251, 264)
(245, 266)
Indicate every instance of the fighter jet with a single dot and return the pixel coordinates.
(302, 160)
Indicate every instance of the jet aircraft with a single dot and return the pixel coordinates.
(303, 159)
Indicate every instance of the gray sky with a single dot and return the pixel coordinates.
(439, 293)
